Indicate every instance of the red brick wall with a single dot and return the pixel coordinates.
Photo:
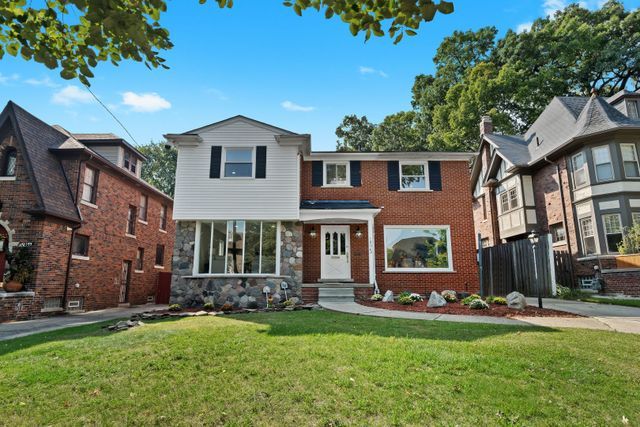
(451, 206)
(100, 276)
(624, 282)
(488, 226)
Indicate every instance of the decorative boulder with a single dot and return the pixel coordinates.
(388, 296)
(276, 298)
(516, 301)
(436, 300)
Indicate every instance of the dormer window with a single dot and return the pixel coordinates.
(238, 162)
(633, 108)
(336, 174)
(9, 163)
(130, 161)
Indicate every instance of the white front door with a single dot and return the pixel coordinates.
(336, 253)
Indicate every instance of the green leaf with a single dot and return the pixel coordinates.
(445, 7)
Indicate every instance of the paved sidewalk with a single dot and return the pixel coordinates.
(46, 324)
(627, 323)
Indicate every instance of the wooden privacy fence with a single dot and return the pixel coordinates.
(510, 267)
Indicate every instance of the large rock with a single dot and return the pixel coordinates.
(436, 300)
(388, 296)
(516, 301)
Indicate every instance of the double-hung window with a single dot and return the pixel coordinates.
(90, 185)
(413, 176)
(131, 220)
(580, 170)
(417, 248)
(142, 211)
(159, 256)
(238, 162)
(336, 174)
(237, 247)
(509, 200)
(587, 233)
(630, 160)
(612, 230)
(602, 162)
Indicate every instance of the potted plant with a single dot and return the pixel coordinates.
(20, 270)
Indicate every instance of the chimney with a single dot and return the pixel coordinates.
(486, 125)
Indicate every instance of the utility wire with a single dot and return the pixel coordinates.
(112, 115)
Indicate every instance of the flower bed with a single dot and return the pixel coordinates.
(494, 310)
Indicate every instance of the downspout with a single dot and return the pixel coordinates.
(73, 234)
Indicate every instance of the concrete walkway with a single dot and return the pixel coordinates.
(609, 320)
(29, 327)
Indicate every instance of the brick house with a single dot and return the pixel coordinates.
(573, 174)
(256, 207)
(98, 233)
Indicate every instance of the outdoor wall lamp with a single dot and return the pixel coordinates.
(358, 232)
(313, 233)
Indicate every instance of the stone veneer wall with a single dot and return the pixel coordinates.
(239, 291)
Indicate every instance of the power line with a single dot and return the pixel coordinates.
(112, 115)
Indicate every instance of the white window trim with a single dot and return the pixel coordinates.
(635, 152)
(8, 178)
(419, 270)
(162, 231)
(196, 251)
(159, 267)
(138, 271)
(584, 167)
(604, 230)
(88, 204)
(595, 236)
(610, 162)
(133, 236)
(506, 192)
(80, 257)
(224, 162)
(347, 183)
(141, 221)
(427, 184)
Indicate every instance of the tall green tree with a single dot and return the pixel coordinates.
(398, 132)
(76, 35)
(354, 134)
(160, 168)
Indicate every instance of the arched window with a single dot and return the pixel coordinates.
(9, 163)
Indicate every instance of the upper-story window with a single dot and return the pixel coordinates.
(633, 108)
(558, 233)
(509, 200)
(602, 162)
(131, 220)
(630, 160)
(9, 163)
(163, 217)
(130, 161)
(90, 185)
(336, 173)
(413, 176)
(144, 205)
(580, 170)
(238, 162)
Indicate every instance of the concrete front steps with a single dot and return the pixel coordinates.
(335, 292)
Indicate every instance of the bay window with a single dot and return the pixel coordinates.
(588, 236)
(602, 162)
(580, 171)
(630, 160)
(612, 230)
(417, 248)
(237, 247)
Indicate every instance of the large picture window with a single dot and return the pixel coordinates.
(237, 247)
(417, 248)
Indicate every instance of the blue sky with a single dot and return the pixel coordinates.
(261, 60)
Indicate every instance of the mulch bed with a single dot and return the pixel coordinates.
(494, 310)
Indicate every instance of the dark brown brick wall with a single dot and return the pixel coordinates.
(451, 206)
(625, 282)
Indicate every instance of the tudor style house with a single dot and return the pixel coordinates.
(256, 207)
(573, 174)
(98, 234)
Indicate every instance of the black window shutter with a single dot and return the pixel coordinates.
(356, 180)
(261, 161)
(393, 175)
(216, 159)
(435, 176)
(316, 173)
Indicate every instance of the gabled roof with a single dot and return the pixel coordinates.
(91, 139)
(240, 117)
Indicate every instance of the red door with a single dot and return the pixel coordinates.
(164, 288)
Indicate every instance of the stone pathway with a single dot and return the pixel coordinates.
(616, 320)
(29, 327)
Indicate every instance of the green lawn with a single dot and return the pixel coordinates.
(613, 301)
(320, 368)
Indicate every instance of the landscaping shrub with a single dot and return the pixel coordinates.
(175, 307)
(376, 297)
(404, 294)
(405, 299)
(449, 296)
(470, 298)
(478, 304)
(416, 297)
(498, 300)
(289, 303)
(226, 307)
(208, 306)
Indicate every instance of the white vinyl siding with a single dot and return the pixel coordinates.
(200, 197)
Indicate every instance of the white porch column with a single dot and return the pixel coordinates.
(372, 251)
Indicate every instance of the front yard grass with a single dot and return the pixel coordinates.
(320, 368)
(612, 301)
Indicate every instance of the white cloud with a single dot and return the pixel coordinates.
(145, 102)
(46, 81)
(4, 80)
(70, 95)
(370, 70)
(525, 26)
(292, 106)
